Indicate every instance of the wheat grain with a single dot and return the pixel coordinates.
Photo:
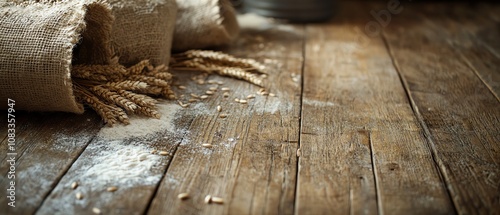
(96, 210)
(183, 196)
(74, 185)
(79, 196)
(112, 189)
(208, 199)
(217, 200)
(194, 95)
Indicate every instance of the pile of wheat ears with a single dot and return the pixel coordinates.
(115, 91)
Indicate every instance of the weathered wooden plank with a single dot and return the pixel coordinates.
(459, 115)
(475, 47)
(46, 146)
(252, 164)
(122, 157)
(363, 151)
(471, 34)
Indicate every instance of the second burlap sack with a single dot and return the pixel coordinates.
(143, 29)
(204, 24)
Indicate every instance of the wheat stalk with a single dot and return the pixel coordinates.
(220, 63)
(114, 90)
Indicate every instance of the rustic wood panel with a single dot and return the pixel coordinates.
(363, 151)
(478, 47)
(120, 157)
(46, 146)
(252, 164)
(459, 114)
(471, 34)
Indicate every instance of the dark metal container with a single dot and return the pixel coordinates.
(293, 10)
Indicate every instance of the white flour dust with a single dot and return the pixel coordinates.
(143, 126)
(123, 165)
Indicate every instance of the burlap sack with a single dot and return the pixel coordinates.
(203, 24)
(143, 29)
(40, 40)
(36, 50)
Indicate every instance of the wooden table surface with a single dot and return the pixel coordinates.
(391, 116)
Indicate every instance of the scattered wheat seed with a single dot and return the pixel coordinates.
(237, 100)
(251, 96)
(194, 95)
(208, 199)
(264, 93)
(220, 82)
(79, 195)
(223, 116)
(74, 185)
(183, 196)
(298, 152)
(242, 101)
(203, 96)
(96, 210)
(272, 94)
(217, 200)
(226, 94)
(163, 153)
(219, 108)
(183, 105)
(112, 189)
(208, 92)
(153, 151)
(193, 100)
(212, 82)
(181, 87)
(200, 82)
(213, 89)
(225, 89)
(207, 145)
(261, 90)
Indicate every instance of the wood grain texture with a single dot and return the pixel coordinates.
(123, 161)
(363, 151)
(252, 164)
(471, 41)
(46, 146)
(459, 114)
